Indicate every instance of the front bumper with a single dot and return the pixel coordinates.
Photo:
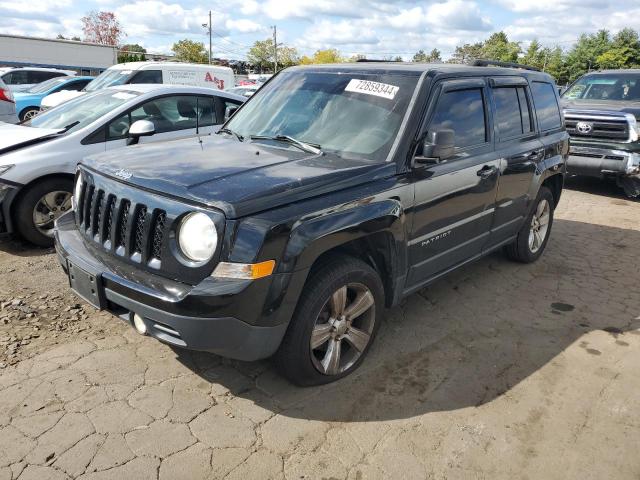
(601, 162)
(173, 312)
(7, 193)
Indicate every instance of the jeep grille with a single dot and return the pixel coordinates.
(134, 226)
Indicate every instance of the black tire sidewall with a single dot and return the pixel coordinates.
(26, 202)
(294, 357)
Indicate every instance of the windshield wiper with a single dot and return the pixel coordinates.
(304, 146)
(69, 127)
(231, 132)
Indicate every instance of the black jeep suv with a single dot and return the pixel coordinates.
(602, 111)
(334, 192)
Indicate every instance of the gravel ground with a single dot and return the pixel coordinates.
(498, 371)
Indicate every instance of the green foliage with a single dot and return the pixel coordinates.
(132, 53)
(435, 56)
(323, 56)
(190, 51)
(498, 47)
(590, 52)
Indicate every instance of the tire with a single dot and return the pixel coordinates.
(522, 250)
(29, 200)
(296, 359)
(28, 113)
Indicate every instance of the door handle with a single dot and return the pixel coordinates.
(487, 171)
(535, 153)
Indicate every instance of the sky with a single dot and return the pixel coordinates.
(374, 28)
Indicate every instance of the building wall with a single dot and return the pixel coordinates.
(86, 58)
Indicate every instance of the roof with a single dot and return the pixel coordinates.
(58, 40)
(162, 88)
(419, 68)
(139, 65)
(620, 70)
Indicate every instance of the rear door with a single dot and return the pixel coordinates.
(454, 199)
(519, 151)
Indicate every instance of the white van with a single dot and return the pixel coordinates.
(171, 73)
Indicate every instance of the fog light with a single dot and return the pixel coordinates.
(138, 322)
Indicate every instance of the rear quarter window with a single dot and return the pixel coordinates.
(547, 110)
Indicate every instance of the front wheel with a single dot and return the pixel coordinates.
(29, 113)
(39, 207)
(336, 320)
(534, 234)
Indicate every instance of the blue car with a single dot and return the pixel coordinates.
(28, 102)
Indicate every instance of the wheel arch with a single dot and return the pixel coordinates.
(555, 183)
(27, 108)
(373, 232)
(10, 209)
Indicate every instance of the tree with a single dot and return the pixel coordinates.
(132, 53)
(498, 47)
(330, 55)
(287, 56)
(102, 27)
(189, 51)
(466, 52)
(584, 54)
(419, 57)
(260, 55)
(435, 56)
(623, 52)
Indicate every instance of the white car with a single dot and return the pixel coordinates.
(19, 79)
(245, 90)
(38, 158)
(170, 73)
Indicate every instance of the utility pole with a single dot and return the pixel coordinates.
(209, 28)
(275, 50)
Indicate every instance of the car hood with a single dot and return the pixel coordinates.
(59, 97)
(238, 178)
(603, 105)
(13, 137)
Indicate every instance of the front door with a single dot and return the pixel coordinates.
(174, 117)
(454, 199)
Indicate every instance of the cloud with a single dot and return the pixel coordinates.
(244, 25)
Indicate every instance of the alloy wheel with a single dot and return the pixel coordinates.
(539, 226)
(48, 209)
(343, 329)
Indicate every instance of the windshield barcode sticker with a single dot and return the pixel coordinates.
(367, 87)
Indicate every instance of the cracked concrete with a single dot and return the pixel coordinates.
(498, 371)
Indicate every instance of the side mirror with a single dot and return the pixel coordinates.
(437, 146)
(140, 128)
(229, 111)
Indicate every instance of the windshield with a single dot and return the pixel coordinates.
(618, 86)
(47, 85)
(82, 111)
(108, 78)
(355, 115)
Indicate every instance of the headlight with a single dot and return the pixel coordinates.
(197, 237)
(77, 190)
(5, 168)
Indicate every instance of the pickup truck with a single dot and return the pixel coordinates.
(601, 111)
(334, 192)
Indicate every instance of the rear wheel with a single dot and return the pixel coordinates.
(39, 207)
(29, 113)
(334, 324)
(534, 234)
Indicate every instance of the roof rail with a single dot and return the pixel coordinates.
(479, 62)
(375, 61)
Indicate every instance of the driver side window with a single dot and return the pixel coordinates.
(119, 128)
